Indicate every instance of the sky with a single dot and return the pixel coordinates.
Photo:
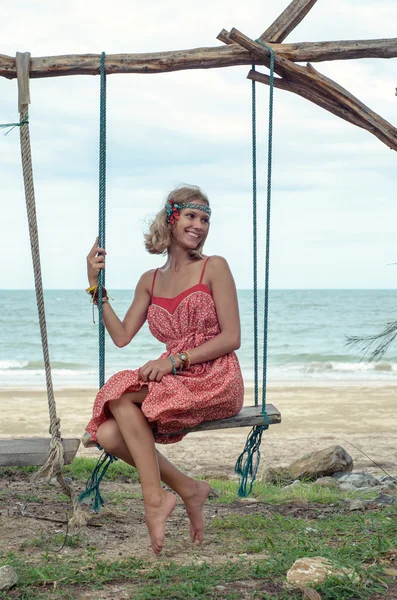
(334, 208)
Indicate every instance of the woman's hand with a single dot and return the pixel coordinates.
(95, 262)
(154, 370)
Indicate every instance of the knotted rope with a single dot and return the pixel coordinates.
(55, 461)
(102, 215)
(248, 462)
(11, 126)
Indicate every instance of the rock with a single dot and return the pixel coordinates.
(388, 486)
(311, 530)
(356, 480)
(8, 578)
(326, 482)
(348, 487)
(248, 499)
(358, 504)
(276, 475)
(321, 463)
(316, 569)
(310, 594)
(295, 484)
(214, 493)
(385, 500)
(387, 478)
(54, 480)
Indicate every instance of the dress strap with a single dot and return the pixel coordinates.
(153, 282)
(202, 272)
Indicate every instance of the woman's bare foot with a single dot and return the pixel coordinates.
(194, 501)
(156, 514)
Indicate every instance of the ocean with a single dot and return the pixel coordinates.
(306, 337)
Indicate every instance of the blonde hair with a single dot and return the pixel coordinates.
(159, 237)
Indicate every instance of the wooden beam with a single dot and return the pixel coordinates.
(327, 103)
(33, 452)
(223, 36)
(315, 86)
(337, 50)
(198, 58)
(287, 21)
(247, 417)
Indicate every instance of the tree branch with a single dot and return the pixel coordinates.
(198, 58)
(287, 21)
(223, 36)
(327, 103)
(310, 84)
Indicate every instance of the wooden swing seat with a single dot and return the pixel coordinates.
(247, 417)
(33, 452)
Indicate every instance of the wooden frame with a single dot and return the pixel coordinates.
(241, 50)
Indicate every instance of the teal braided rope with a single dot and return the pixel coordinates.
(11, 126)
(248, 462)
(255, 239)
(268, 214)
(102, 214)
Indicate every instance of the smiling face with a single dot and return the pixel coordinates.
(191, 229)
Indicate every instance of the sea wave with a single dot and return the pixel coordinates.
(326, 371)
(315, 372)
(62, 378)
(33, 365)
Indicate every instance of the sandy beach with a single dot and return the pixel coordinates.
(313, 417)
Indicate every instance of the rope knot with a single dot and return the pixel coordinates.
(12, 126)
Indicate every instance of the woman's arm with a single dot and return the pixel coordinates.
(121, 332)
(226, 304)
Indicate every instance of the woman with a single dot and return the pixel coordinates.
(191, 305)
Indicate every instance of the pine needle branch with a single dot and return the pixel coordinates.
(383, 341)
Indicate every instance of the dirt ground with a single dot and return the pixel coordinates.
(33, 520)
(119, 528)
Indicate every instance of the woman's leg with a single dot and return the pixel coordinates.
(139, 440)
(193, 493)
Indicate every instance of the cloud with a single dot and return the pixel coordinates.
(333, 184)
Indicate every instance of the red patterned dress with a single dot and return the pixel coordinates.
(204, 392)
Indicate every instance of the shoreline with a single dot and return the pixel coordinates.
(249, 385)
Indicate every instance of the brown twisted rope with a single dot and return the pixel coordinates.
(55, 461)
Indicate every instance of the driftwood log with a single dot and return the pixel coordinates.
(198, 58)
(321, 90)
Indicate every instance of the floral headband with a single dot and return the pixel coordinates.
(173, 209)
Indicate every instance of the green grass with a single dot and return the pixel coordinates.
(80, 469)
(57, 540)
(254, 550)
(118, 497)
(274, 494)
(29, 497)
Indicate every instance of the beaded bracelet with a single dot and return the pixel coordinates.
(93, 291)
(174, 370)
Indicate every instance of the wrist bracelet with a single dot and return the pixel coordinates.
(185, 359)
(174, 369)
(96, 300)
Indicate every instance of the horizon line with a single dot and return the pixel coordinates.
(249, 289)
